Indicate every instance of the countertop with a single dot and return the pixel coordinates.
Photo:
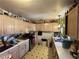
(21, 41)
(62, 53)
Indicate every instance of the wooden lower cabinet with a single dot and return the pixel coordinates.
(55, 54)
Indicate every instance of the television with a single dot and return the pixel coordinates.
(39, 33)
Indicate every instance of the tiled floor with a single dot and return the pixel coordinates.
(39, 52)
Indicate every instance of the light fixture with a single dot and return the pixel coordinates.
(23, 1)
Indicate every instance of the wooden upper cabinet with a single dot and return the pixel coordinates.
(12, 25)
(26, 27)
(16, 26)
(8, 25)
(73, 23)
(1, 24)
(20, 26)
(42, 27)
(47, 27)
(31, 27)
(39, 27)
(23, 25)
(72, 27)
(55, 27)
(51, 27)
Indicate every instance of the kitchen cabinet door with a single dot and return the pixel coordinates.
(73, 21)
(23, 26)
(12, 25)
(40, 27)
(15, 26)
(5, 54)
(0, 57)
(48, 26)
(31, 27)
(8, 25)
(27, 45)
(22, 49)
(1, 24)
(55, 27)
(27, 27)
(14, 52)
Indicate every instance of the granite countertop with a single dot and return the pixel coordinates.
(62, 53)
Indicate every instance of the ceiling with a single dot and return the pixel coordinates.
(37, 9)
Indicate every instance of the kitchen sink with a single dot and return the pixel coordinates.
(3, 48)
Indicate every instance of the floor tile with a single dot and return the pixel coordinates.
(40, 52)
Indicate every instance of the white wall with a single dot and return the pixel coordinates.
(45, 35)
